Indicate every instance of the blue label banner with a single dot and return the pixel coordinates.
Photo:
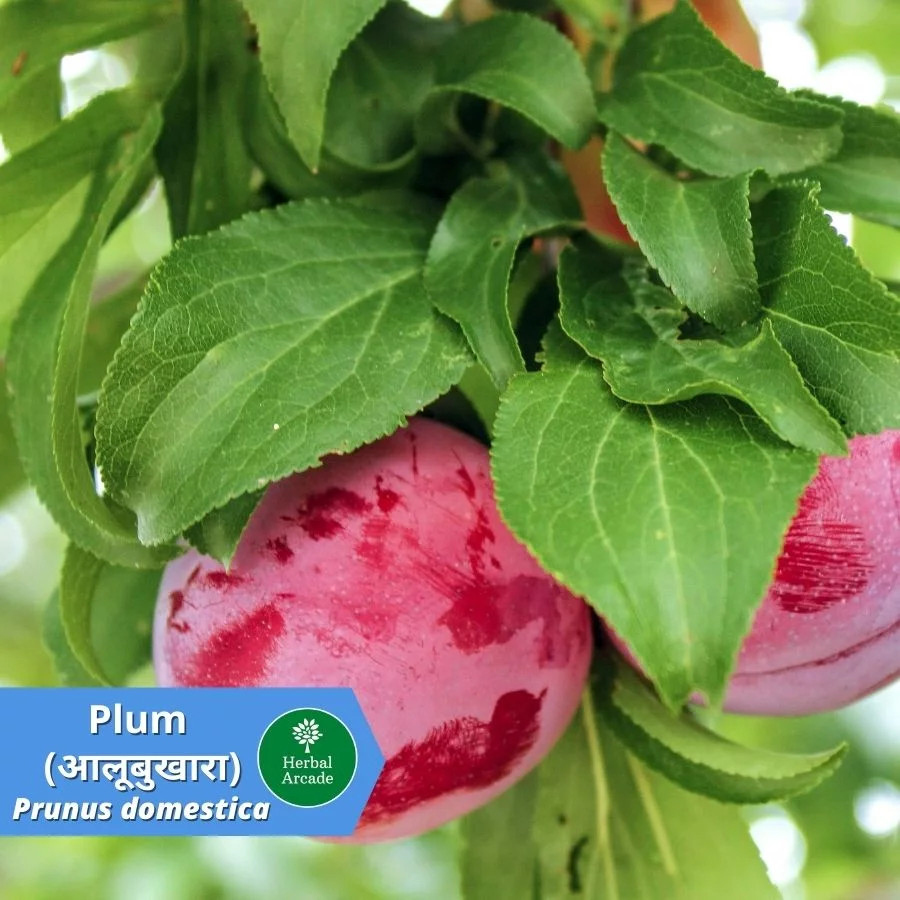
(184, 761)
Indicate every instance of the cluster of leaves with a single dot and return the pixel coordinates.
(369, 208)
(608, 814)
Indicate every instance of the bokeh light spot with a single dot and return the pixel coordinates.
(877, 809)
(780, 843)
(12, 543)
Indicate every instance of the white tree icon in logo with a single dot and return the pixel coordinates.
(307, 732)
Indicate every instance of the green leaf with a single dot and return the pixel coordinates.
(42, 195)
(79, 576)
(107, 322)
(376, 90)
(498, 854)
(107, 614)
(473, 250)
(478, 388)
(607, 21)
(300, 49)
(541, 307)
(12, 478)
(116, 132)
(32, 112)
(864, 177)
(635, 328)
(696, 233)
(201, 154)
(69, 669)
(519, 62)
(290, 334)
(381, 81)
(457, 410)
(839, 323)
(37, 33)
(675, 84)
(217, 535)
(667, 519)
(607, 828)
(698, 759)
(271, 148)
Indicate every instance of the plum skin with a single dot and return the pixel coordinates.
(390, 571)
(828, 630)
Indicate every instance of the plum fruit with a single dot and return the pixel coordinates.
(828, 630)
(389, 571)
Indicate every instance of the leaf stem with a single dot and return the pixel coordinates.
(466, 11)
(601, 792)
(660, 834)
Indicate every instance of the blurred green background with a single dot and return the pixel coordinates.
(842, 842)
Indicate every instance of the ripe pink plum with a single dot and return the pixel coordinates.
(828, 631)
(390, 571)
